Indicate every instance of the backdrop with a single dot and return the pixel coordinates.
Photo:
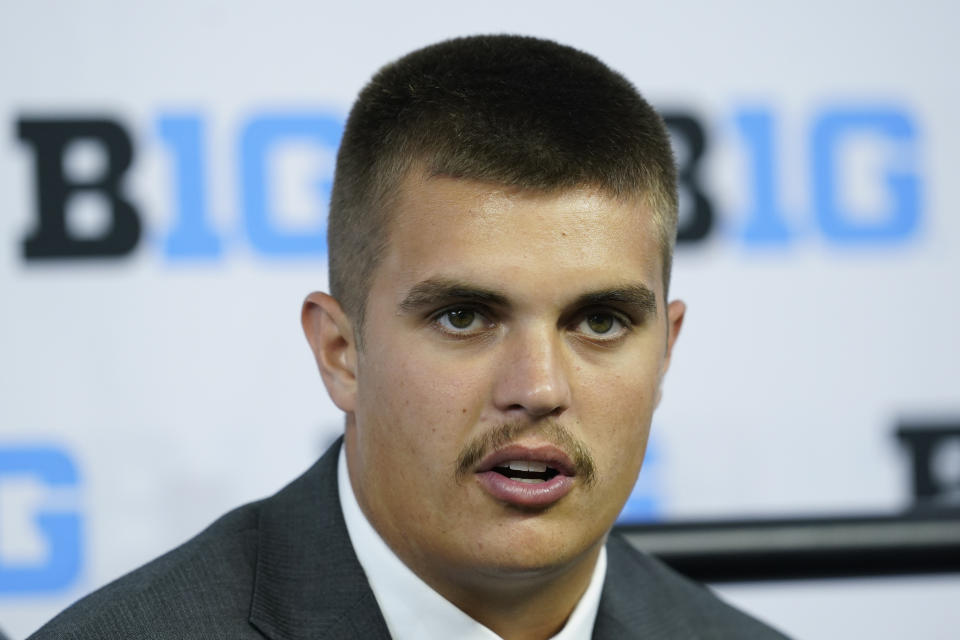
(164, 174)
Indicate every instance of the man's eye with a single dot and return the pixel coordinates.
(600, 322)
(601, 325)
(460, 321)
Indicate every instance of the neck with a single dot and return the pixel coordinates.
(520, 608)
(533, 603)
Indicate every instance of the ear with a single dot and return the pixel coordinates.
(330, 334)
(676, 310)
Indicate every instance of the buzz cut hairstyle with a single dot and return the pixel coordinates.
(510, 110)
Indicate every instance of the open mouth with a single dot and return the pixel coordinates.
(527, 477)
(528, 471)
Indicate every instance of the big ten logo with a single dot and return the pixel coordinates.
(934, 450)
(40, 524)
(835, 138)
(862, 178)
(263, 143)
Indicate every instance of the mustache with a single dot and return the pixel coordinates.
(554, 432)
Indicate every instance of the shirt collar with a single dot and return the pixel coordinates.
(411, 608)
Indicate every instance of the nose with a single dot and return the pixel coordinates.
(533, 377)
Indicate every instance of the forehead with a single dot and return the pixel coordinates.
(441, 226)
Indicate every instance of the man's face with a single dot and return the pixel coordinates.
(506, 327)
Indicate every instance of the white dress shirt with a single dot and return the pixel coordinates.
(412, 609)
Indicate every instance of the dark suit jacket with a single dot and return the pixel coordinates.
(284, 569)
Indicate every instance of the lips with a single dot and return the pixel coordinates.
(527, 477)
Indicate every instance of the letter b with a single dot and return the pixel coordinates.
(50, 139)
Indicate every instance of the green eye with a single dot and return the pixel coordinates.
(461, 318)
(600, 322)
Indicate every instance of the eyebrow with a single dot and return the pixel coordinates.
(436, 291)
(633, 295)
(441, 290)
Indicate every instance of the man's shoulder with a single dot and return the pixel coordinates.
(261, 567)
(201, 589)
(645, 598)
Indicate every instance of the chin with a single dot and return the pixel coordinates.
(519, 567)
(526, 555)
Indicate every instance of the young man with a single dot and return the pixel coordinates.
(500, 238)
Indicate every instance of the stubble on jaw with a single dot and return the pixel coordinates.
(552, 431)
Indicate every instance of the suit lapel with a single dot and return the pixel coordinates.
(635, 603)
(309, 583)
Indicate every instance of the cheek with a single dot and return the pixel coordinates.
(620, 406)
(419, 403)
(619, 393)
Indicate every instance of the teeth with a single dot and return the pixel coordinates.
(527, 465)
(528, 480)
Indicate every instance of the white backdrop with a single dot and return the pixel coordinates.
(143, 395)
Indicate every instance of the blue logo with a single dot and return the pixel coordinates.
(37, 508)
(834, 135)
(260, 141)
(848, 203)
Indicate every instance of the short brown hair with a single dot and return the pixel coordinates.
(511, 110)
